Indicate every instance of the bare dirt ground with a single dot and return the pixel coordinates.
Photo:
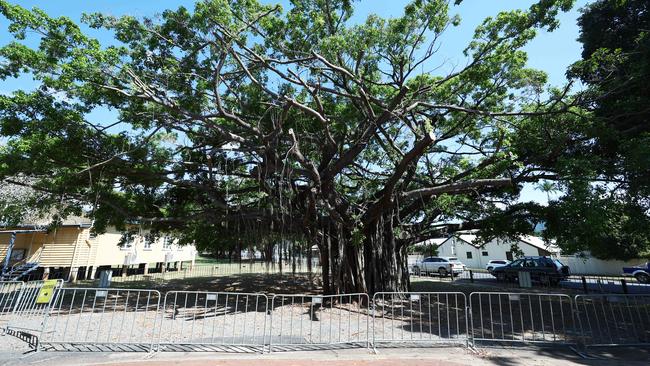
(248, 283)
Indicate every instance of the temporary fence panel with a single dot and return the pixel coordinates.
(195, 320)
(422, 317)
(101, 319)
(433, 275)
(610, 320)
(521, 317)
(220, 270)
(32, 304)
(299, 320)
(172, 274)
(481, 276)
(9, 295)
(606, 284)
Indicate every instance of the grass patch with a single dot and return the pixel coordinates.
(202, 261)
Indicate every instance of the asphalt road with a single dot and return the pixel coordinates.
(593, 285)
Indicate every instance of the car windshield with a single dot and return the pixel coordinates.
(452, 259)
(516, 263)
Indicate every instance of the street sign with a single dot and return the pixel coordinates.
(46, 292)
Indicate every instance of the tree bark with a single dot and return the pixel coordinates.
(377, 264)
(386, 261)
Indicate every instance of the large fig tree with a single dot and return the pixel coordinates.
(243, 121)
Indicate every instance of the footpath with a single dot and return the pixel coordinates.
(15, 352)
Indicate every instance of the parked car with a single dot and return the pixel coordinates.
(640, 272)
(545, 270)
(441, 265)
(496, 263)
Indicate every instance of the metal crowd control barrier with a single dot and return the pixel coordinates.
(94, 319)
(29, 309)
(613, 320)
(313, 321)
(213, 321)
(521, 317)
(9, 295)
(419, 317)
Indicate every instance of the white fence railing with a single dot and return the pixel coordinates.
(422, 317)
(101, 319)
(10, 292)
(521, 317)
(298, 321)
(32, 304)
(205, 321)
(611, 320)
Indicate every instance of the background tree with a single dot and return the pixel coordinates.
(607, 210)
(238, 117)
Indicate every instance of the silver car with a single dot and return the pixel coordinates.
(496, 263)
(441, 265)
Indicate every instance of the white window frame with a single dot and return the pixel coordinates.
(167, 242)
(128, 244)
(147, 243)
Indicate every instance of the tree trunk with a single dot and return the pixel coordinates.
(377, 264)
(386, 262)
(325, 267)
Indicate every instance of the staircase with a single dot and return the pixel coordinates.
(19, 271)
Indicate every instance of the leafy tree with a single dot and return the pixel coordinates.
(242, 118)
(607, 210)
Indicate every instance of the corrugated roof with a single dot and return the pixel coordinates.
(470, 238)
(434, 241)
(540, 243)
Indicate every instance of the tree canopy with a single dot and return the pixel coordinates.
(607, 210)
(238, 119)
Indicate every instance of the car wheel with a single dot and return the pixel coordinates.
(501, 277)
(642, 277)
(490, 269)
(416, 270)
(442, 271)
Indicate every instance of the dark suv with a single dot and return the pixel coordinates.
(546, 270)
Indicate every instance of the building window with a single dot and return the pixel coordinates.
(147, 242)
(484, 253)
(167, 243)
(126, 242)
(469, 255)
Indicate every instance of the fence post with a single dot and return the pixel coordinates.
(471, 276)
(624, 285)
(584, 284)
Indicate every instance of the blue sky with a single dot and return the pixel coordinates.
(551, 52)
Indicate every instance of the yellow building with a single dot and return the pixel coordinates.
(71, 252)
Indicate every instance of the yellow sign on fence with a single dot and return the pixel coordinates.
(46, 292)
